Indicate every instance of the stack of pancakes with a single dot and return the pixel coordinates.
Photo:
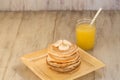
(63, 56)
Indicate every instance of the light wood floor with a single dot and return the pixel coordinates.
(26, 32)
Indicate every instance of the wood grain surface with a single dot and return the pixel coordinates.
(26, 32)
(35, 5)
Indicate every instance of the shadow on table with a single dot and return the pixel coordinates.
(27, 74)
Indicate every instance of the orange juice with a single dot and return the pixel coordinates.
(85, 36)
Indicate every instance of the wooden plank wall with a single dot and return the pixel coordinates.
(35, 5)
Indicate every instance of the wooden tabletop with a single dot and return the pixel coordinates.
(26, 32)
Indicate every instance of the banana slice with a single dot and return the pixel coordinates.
(63, 47)
(67, 42)
(57, 43)
(62, 44)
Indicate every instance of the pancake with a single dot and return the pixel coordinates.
(63, 56)
(63, 60)
(66, 69)
(66, 53)
(59, 64)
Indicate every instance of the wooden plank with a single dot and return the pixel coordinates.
(9, 24)
(16, 5)
(107, 46)
(35, 33)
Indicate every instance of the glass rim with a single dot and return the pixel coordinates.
(84, 20)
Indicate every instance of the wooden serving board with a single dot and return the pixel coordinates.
(37, 63)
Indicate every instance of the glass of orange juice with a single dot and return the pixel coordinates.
(85, 34)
